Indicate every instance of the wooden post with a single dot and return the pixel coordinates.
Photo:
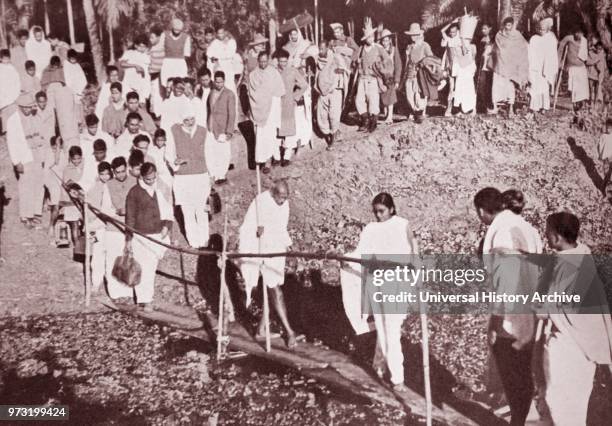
(266, 305)
(4, 43)
(559, 77)
(316, 22)
(272, 27)
(425, 347)
(70, 21)
(87, 252)
(558, 24)
(222, 290)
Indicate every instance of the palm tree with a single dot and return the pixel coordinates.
(604, 10)
(94, 41)
(70, 21)
(111, 12)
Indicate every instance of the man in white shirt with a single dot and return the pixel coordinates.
(125, 141)
(94, 132)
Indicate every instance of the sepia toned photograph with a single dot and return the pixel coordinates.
(306, 212)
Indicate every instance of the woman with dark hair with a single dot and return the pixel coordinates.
(390, 234)
(511, 337)
(514, 200)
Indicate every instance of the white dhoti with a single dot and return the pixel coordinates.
(465, 90)
(272, 272)
(218, 153)
(191, 193)
(147, 254)
(539, 92)
(98, 259)
(173, 67)
(578, 83)
(303, 125)
(114, 244)
(156, 97)
(569, 380)
(266, 143)
(31, 190)
(502, 90)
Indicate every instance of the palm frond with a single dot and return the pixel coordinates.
(111, 11)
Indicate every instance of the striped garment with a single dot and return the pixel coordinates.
(157, 54)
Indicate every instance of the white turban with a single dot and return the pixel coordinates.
(546, 23)
(177, 25)
(188, 112)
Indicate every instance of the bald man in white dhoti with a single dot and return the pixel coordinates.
(543, 64)
(264, 230)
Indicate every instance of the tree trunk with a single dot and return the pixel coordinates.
(94, 41)
(505, 10)
(603, 8)
(3, 36)
(140, 10)
(24, 13)
(272, 25)
(111, 44)
(70, 21)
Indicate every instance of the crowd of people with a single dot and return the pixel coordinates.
(160, 133)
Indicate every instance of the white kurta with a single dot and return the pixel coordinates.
(267, 145)
(10, 84)
(75, 78)
(39, 52)
(218, 155)
(171, 112)
(87, 140)
(104, 99)
(132, 80)
(378, 238)
(125, 142)
(264, 212)
(543, 64)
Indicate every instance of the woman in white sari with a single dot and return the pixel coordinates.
(389, 235)
(38, 49)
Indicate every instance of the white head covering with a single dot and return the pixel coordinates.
(177, 25)
(547, 23)
(187, 112)
(38, 51)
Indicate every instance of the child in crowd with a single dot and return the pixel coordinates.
(136, 63)
(55, 163)
(597, 69)
(73, 173)
(105, 90)
(45, 116)
(113, 116)
(30, 83)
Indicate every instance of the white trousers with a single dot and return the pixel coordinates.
(147, 254)
(569, 380)
(98, 259)
(389, 334)
(329, 110)
(114, 242)
(191, 193)
(218, 156)
(31, 190)
(465, 91)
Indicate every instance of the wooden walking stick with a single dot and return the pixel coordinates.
(560, 76)
(425, 346)
(266, 306)
(222, 290)
(87, 252)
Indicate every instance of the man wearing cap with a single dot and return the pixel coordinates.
(342, 40)
(295, 87)
(543, 64)
(330, 84)
(374, 64)
(416, 51)
(191, 184)
(177, 48)
(266, 87)
(27, 152)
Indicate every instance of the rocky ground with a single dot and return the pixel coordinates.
(96, 360)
